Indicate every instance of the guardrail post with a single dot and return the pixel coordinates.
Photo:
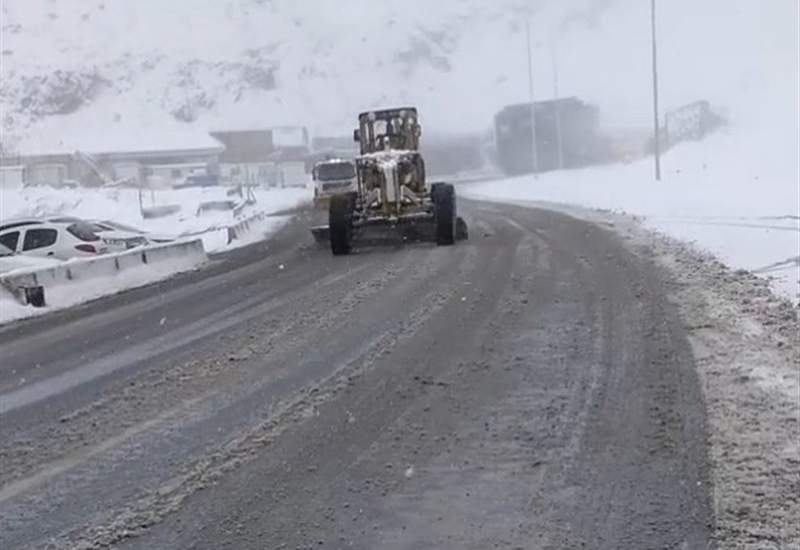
(34, 296)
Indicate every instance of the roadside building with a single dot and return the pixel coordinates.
(146, 159)
(266, 157)
(12, 177)
(246, 159)
(292, 155)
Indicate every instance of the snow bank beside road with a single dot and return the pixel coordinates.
(746, 345)
(81, 280)
(745, 213)
(122, 205)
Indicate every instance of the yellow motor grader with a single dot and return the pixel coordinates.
(392, 194)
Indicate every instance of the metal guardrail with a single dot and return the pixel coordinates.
(238, 230)
(29, 286)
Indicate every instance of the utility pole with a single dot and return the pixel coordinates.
(656, 132)
(559, 143)
(534, 151)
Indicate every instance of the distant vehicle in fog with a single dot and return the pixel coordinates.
(567, 136)
(690, 122)
(332, 177)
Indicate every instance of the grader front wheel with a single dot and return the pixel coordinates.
(340, 221)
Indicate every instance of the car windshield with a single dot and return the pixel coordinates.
(335, 171)
(84, 231)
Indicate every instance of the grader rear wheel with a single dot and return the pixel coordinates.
(444, 202)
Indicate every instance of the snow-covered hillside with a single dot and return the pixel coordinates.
(231, 63)
(75, 66)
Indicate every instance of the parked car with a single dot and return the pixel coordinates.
(61, 238)
(118, 240)
(10, 261)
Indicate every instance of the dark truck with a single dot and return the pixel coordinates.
(574, 121)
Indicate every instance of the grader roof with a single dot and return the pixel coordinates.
(386, 114)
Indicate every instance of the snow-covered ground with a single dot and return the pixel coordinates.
(746, 346)
(94, 278)
(122, 205)
(725, 194)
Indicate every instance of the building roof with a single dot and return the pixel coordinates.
(124, 142)
(245, 145)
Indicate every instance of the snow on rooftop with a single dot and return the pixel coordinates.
(120, 139)
(290, 136)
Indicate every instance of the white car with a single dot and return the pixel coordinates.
(59, 238)
(10, 261)
(118, 240)
(116, 237)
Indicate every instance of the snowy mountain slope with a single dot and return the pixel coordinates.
(239, 63)
(70, 65)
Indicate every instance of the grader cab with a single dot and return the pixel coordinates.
(391, 129)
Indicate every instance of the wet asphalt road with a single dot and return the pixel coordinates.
(528, 388)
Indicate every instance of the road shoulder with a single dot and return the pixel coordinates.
(746, 343)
